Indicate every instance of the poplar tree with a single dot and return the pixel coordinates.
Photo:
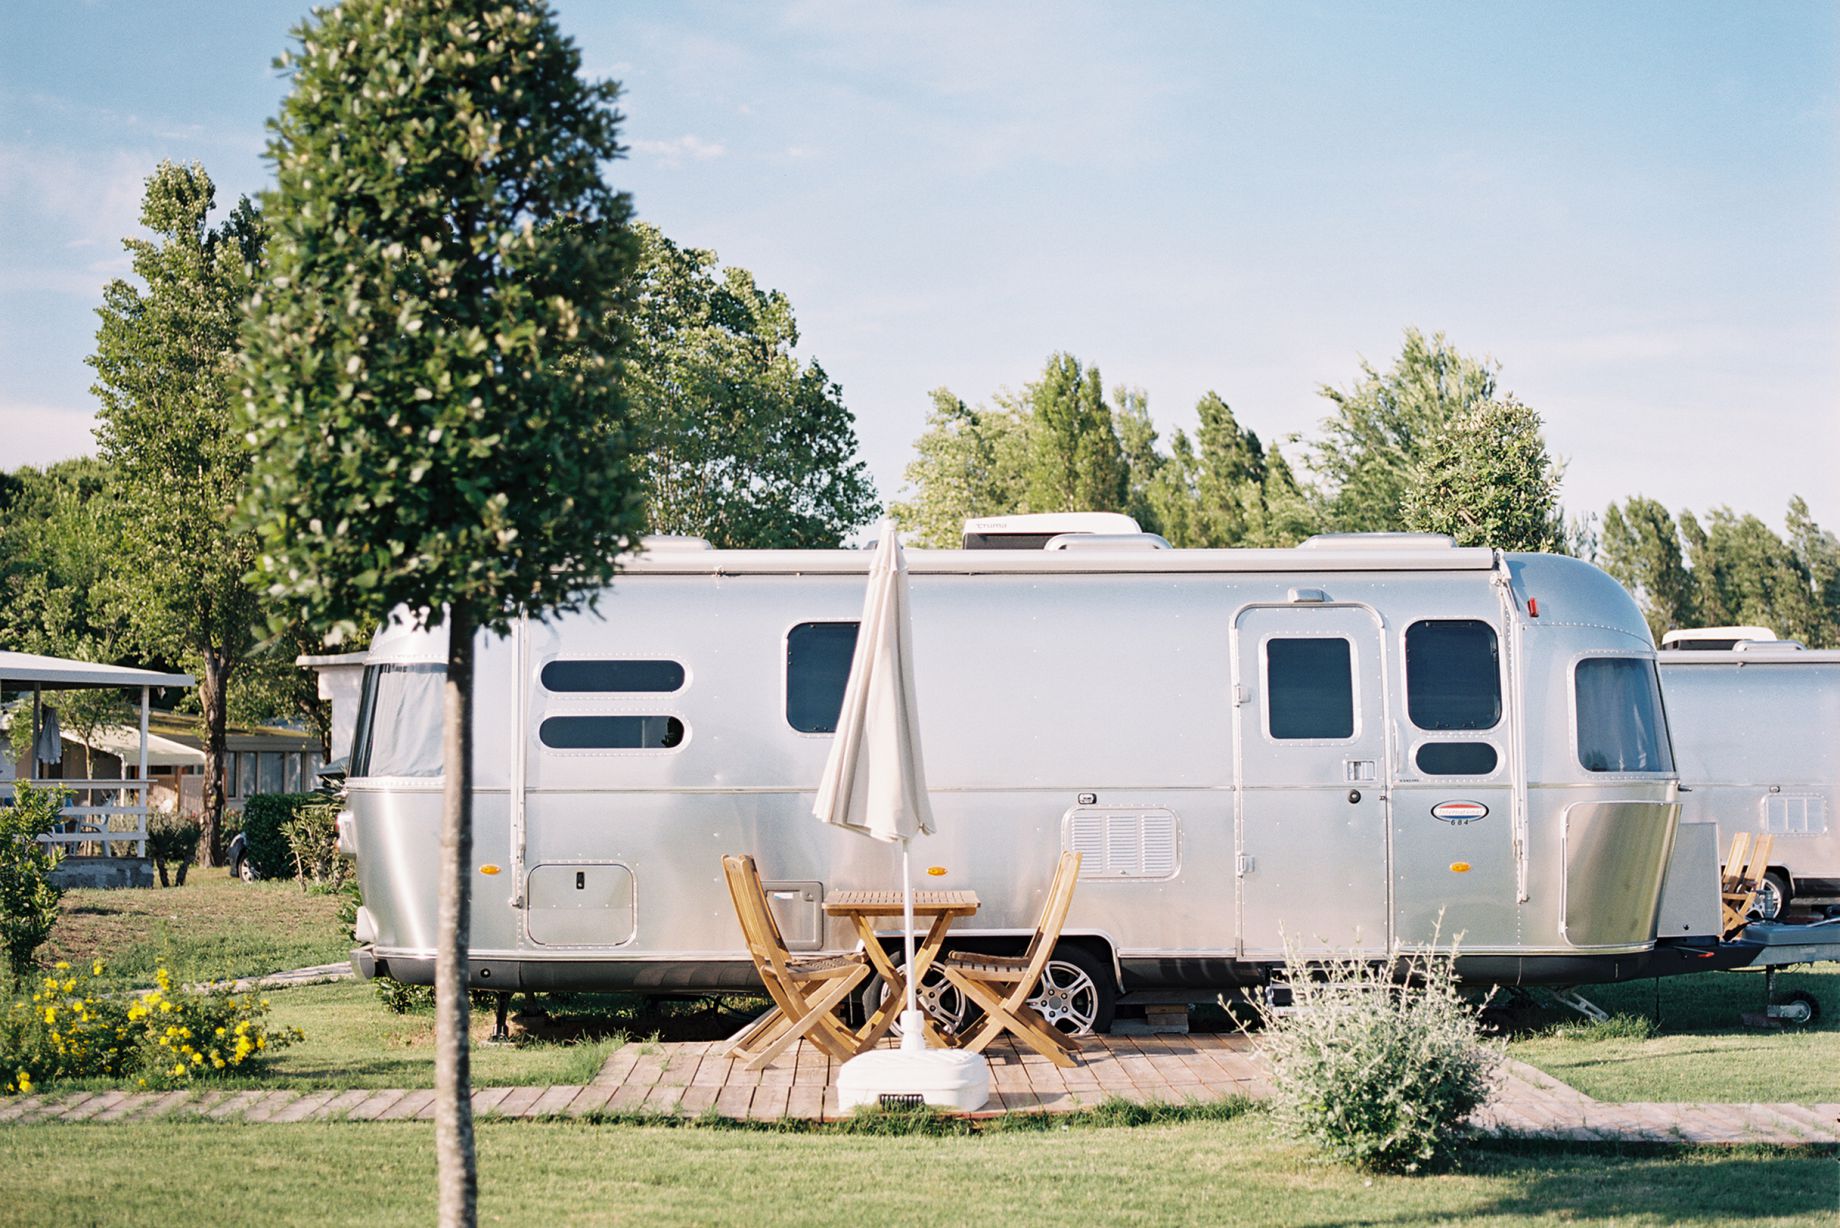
(1641, 548)
(1076, 462)
(166, 365)
(433, 395)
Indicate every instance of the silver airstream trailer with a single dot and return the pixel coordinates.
(1756, 726)
(1335, 746)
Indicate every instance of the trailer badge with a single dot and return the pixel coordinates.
(1458, 813)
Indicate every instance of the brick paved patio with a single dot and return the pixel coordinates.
(694, 1078)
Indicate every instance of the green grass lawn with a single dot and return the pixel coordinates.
(1699, 1050)
(353, 1041)
(213, 927)
(561, 1173)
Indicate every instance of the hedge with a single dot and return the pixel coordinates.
(264, 815)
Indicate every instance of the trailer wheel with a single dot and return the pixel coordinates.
(245, 869)
(1076, 993)
(1800, 1008)
(937, 996)
(1772, 900)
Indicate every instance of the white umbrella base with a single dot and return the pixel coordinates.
(946, 1078)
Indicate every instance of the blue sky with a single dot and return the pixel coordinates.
(1635, 208)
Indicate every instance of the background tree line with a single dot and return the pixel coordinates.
(1431, 443)
(136, 555)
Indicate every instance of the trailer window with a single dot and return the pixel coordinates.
(1620, 726)
(1453, 674)
(817, 671)
(1456, 758)
(1309, 688)
(399, 722)
(647, 676)
(611, 732)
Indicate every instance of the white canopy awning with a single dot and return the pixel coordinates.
(124, 742)
(60, 674)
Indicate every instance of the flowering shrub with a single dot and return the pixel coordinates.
(28, 901)
(72, 1028)
(1379, 1064)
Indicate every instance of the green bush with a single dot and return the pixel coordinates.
(75, 1027)
(28, 900)
(312, 837)
(264, 816)
(1378, 1064)
(172, 839)
(402, 998)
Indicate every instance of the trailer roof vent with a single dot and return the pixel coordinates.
(1715, 639)
(1107, 541)
(670, 543)
(1036, 530)
(1379, 541)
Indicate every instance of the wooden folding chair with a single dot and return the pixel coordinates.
(1001, 985)
(1745, 866)
(798, 1011)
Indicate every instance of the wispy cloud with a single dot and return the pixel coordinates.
(686, 148)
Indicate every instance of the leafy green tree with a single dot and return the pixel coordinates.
(744, 444)
(1230, 480)
(1368, 447)
(968, 463)
(1746, 575)
(1818, 552)
(1143, 463)
(433, 371)
(166, 356)
(1484, 477)
(1076, 463)
(1641, 548)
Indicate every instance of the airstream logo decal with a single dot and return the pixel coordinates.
(1459, 813)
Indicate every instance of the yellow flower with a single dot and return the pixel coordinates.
(61, 966)
(51, 1014)
(96, 968)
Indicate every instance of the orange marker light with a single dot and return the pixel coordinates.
(1459, 867)
(488, 869)
(936, 871)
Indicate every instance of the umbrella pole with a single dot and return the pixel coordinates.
(913, 1024)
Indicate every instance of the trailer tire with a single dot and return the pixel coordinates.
(1800, 1008)
(1076, 993)
(1772, 902)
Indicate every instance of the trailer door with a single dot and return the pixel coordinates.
(1309, 693)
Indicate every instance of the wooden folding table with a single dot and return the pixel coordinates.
(864, 909)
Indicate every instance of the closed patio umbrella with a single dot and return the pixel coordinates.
(875, 779)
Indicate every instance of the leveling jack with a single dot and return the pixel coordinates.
(1799, 1009)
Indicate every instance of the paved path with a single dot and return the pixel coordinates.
(694, 1078)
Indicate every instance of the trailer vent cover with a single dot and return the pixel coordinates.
(1124, 843)
(1795, 814)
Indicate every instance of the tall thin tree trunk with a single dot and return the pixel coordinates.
(211, 697)
(453, 1104)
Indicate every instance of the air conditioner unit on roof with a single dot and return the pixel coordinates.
(1034, 530)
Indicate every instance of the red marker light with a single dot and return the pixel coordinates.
(1533, 607)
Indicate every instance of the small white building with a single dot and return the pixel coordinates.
(107, 811)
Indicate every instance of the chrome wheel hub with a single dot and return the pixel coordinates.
(1066, 998)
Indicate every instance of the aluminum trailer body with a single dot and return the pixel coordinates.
(1757, 735)
(1361, 740)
